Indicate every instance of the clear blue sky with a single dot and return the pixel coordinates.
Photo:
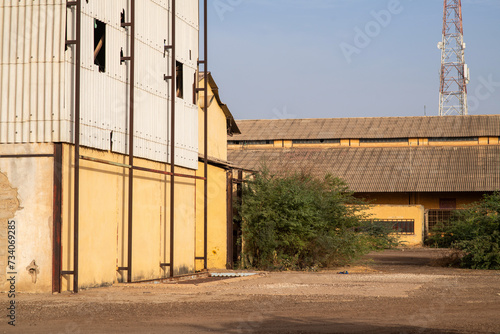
(284, 58)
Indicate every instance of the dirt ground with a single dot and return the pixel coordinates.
(396, 291)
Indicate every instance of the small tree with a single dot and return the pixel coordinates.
(475, 232)
(299, 221)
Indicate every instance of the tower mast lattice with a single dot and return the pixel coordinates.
(454, 72)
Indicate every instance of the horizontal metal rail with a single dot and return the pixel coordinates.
(156, 171)
(8, 156)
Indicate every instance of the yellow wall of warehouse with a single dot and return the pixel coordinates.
(216, 218)
(104, 220)
(428, 200)
(26, 200)
(217, 129)
(415, 212)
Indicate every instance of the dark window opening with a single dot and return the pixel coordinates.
(447, 203)
(257, 142)
(398, 226)
(100, 45)
(384, 140)
(179, 81)
(316, 141)
(233, 142)
(454, 139)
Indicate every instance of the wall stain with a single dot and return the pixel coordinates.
(9, 205)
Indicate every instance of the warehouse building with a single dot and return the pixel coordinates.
(414, 170)
(91, 204)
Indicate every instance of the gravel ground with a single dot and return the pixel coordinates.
(390, 292)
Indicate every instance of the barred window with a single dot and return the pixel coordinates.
(399, 226)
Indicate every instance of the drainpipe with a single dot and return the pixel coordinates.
(205, 139)
(131, 140)
(77, 143)
(172, 144)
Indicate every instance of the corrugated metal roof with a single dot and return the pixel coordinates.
(370, 127)
(391, 169)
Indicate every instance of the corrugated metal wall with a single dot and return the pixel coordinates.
(32, 71)
(37, 76)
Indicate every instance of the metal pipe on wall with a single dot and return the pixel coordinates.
(205, 136)
(57, 220)
(172, 144)
(131, 140)
(76, 198)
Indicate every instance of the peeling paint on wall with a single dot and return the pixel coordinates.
(9, 204)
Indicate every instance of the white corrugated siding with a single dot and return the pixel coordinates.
(37, 77)
(32, 71)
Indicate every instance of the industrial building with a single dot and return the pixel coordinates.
(92, 204)
(414, 170)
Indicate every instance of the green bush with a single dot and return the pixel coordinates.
(475, 232)
(299, 221)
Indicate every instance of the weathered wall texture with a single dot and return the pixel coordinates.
(217, 129)
(217, 218)
(415, 212)
(104, 220)
(26, 198)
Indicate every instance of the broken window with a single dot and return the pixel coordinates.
(179, 79)
(100, 45)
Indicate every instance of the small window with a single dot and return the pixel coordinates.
(437, 139)
(179, 81)
(258, 142)
(383, 140)
(100, 45)
(398, 226)
(447, 203)
(316, 141)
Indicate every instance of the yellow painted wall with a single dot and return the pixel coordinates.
(415, 212)
(217, 129)
(428, 200)
(356, 143)
(104, 220)
(493, 140)
(216, 218)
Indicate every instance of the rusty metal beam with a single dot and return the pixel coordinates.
(14, 156)
(205, 136)
(57, 220)
(172, 142)
(76, 210)
(144, 169)
(131, 140)
(229, 206)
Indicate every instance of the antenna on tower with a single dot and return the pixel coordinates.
(454, 72)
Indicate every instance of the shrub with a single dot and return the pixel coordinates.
(298, 221)
(475, 231)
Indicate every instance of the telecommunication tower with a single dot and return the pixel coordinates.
(454, 72)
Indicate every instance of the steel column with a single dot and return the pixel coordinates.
(57, 220)
(229, 205)
(172, 144)
(131, 140)
(76, 211)
(205, 135)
